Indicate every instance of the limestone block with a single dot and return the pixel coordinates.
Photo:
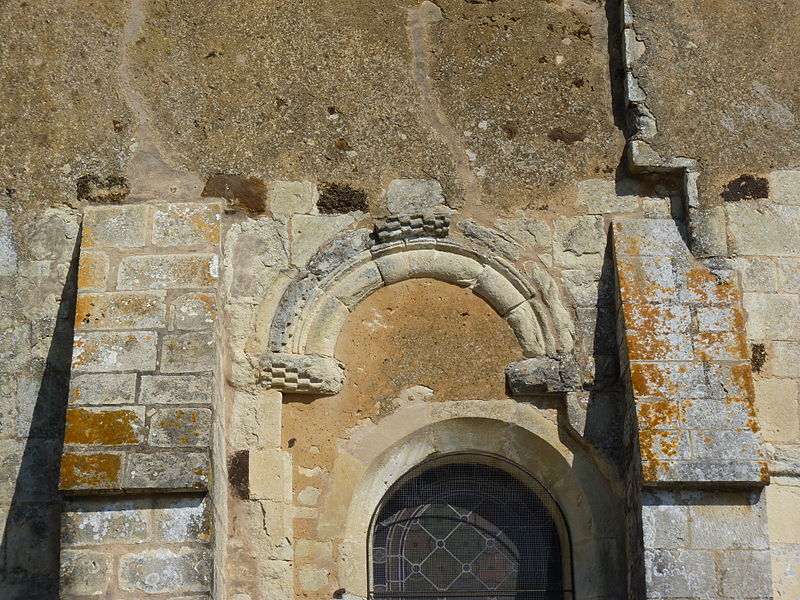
(785, 566)
(528, 233)
(394, 267)
(180, 427)
(757, 274)
(120, 310)
(91, 521)
(579, 241)
(784, 518)
(731, 520)
(542, 375)
(358, 284)
(292, 197)
(412, 195)
(659, 208)
(498, 291)
(679, 573)
(255, 252)
(716, 413)
(107, 388)
(182, 519)
(186, 224)
(719, 318)
(195, 310)
(302, 374)
(746, 574)
(496, 241)
(777, 409)
(16, 348)
(665, 523)
(772, 316)
(600, 196)
(323, 326)
(648, 237)
(525, 326)
(91, 471)
(428, 223)
(584, 288)
(710, 286)
(312, 578)
(167, 470)
(789, 275)
(92, 270)
(270, 475)
(256, 419)
(782, 359)
(310, 232)
(166, 571)
(785, 460)
(343, 251)
(784, 186)
(313, 549)
(713, 444)
(8, 248)
(663, 470)
(309, 495)
(168, 271)
(85, 573)
(114, 226)
(184, 352)
(646, 279)
(176, 389)
(107, 426)
(720, 345)
(764, 229)
(114, 351)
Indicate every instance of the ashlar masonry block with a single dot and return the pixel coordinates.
(687, 361)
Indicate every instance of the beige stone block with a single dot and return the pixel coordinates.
(358, 284)
(168, 271)
(120, 310)
(114, 226)
(525, 326)
(498, 291)
(763, 229)
(784, 188)
(783, 359)
(256, 419)
(777, 409)
(758, 274)
(186, 224)
(785, 571)
(789, 275)
(313, 549)
(312, 578)
(293, 197)
(772, 316)
(600, 196)
(783, 514)
(308, 233)
(271, 475)
(323, 326)
(579, 241)
(530, 233)
(92, 270)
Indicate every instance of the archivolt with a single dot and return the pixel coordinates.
(313, 309)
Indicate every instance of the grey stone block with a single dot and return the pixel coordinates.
(665, 521)
(187, 352)
(114, 351)
(179, 520)
(104, 521)
(494, 240)
(85, 573)
(166, 571)
(340, 251)
(195, 310)
(168, 271)
(177, 389)
(411, 195)
(543, 375)
(180, 427)
(168, 471)
(680, 574)
(106, 388)
(728, 520)
(114, 226)
(746, 574)
(8, 249)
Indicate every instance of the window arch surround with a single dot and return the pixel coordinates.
(465, 525)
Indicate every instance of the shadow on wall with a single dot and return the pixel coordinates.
(29, 553)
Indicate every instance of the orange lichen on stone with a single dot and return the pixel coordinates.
(655, 415)
(720, 345)
(655, 318)
(92, 270)
(106, 427)
(704, 286)
(117, 310)
(646, 279)
(90, 471)
(650, 345)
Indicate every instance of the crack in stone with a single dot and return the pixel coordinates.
(418, 23)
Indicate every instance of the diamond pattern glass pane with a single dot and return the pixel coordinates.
(470, 531)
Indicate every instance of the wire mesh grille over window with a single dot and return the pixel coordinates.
(466, 531)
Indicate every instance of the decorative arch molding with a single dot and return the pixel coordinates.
(313, 309)
(372, 461)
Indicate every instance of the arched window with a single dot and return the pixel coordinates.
(467, 527)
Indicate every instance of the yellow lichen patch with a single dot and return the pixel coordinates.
(658, 414)
(92, 270)
(118, 310)
(90, 471)
(649, 380)
(708, 288)
(720, 345)
(106, 427)
(638, 284)
(656, 346)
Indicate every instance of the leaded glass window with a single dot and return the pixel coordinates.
(461, 528)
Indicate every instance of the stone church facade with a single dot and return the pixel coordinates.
(453, 299)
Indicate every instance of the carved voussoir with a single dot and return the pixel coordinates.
(434, 223)
(301, 373)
